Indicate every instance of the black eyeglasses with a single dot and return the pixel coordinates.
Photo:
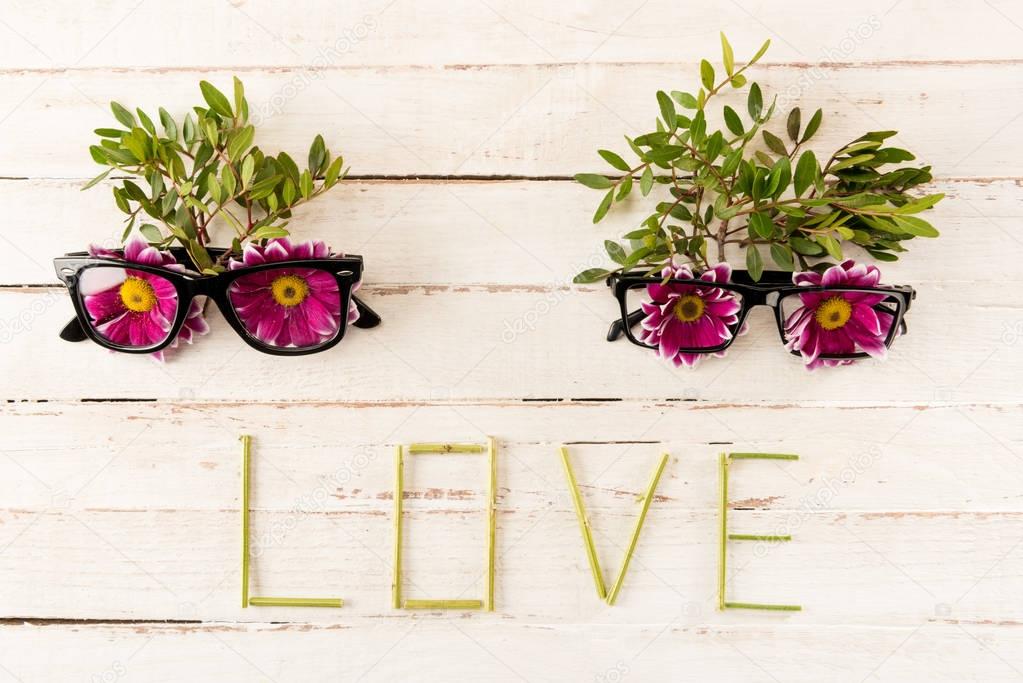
(285, 308)
(696, 316)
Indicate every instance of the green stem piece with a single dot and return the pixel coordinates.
(584, 526)
(296, 602)
(443, 604)
(246, 456)
(399, 493)
(491, 522)
(647, 498)
(756, 605)
(757, 537)
(423, 448)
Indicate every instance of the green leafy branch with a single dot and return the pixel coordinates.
(203, 169)
(721, 191)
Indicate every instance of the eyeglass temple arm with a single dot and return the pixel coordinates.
(617, 328)
(367, 316)
(73, 331)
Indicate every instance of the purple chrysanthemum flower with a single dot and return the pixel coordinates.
(686, 316)
(138, 309)
(289, 306)
(838, 322)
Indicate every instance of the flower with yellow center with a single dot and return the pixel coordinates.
(833, 313)
(689, 308)
(137, 295)
(289, 290)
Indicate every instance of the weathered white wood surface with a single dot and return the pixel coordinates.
(118, 512)
(536, 120)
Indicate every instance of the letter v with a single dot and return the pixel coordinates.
(584, 525)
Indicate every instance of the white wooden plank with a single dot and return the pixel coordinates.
(527, 120)
(872, 568)
(462, 342)
(515, 232)
(257, 33)
(428, 650)
(179, 456)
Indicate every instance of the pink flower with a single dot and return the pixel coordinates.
(838, 322)
(135, 308)
(685, 316)
(289, 306)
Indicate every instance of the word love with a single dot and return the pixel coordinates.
(725, 463)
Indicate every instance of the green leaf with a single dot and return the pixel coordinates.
(921, 204)
(738, 81)
(805, 246)
(851, 161)
(264, 187)
(754, 263)
(782, 255)
(774, 143)
(760, 53)
(151, 232)
(830, 245)
(109, 132)
(593, 181)
(289, 166)
(760, 225)
(125, 117)
(807, 170)
(707, 74)
(333, 172)
(815, 123)
(317, 156)
(305, 184)
(147, 122)
(779, 178)
(216, 99)
(605, 205)
(686, 100)
(240, 141)
(646, 181)
(624, 188)
(667, 110)
(269, 232)
(728, 57)
(755, 102)
(97, 179)
(792, 125)
(590, 275)
(289, 192)
(188, 129)
(240, 105)
(615, 160)
(733, 121)
(248, 167)
(169, 127)
(915, 226)
(715, 143)
(615, 251)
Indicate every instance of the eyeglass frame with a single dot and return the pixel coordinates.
(769, 290)
(188, 284)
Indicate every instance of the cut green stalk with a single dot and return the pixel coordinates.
(399, 493)
(757, 537)
(443, 604)
(755, 605)
(491, 522)
(296, 602)
(246, 456)
(762, 456)
(584, 526)
(613, 595)
(423, 448)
